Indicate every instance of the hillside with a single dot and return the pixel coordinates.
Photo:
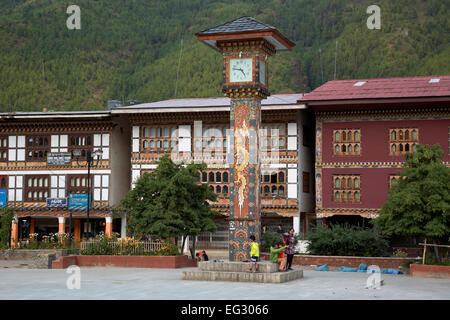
(129, 49)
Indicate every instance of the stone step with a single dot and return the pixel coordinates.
(273, 277)
(263, 266)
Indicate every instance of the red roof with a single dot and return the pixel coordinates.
(406, 87)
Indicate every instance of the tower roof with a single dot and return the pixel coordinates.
(245, 28)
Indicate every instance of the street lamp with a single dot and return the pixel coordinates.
(90, 155)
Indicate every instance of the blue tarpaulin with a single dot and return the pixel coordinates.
(322, 268)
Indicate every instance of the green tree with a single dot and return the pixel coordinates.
(169, 202)
(6, 216)
(418, 205)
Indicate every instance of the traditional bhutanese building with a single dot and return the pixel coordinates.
(363, 129)
(196, 130)
(44, 172)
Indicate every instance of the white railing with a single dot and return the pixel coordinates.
(121, 247)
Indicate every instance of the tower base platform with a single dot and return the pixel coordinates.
(238, 271)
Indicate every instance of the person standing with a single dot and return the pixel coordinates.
(280, 229)
(254, 254)
(290, 250)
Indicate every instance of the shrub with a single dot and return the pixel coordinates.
(269, 239)
(400, 254)
(169, 249)
(346, 240)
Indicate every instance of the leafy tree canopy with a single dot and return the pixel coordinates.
(418, 205)
(169, 202)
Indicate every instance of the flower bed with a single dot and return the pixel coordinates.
(429, 271)
(347, 261)
(169, 262)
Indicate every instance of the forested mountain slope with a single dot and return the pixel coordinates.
(129, 49)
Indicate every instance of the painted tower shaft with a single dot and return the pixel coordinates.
(245, 202)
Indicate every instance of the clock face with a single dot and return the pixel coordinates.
(262, 72)
(241, 70)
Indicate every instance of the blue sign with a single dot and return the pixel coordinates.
(78, 201)
(56, 202)
(3, 197)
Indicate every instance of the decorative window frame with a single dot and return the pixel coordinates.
(81, 141)
(158, 138)
(222, 187)
(74, 179)
(39, 151)
(269, 133)
(339, 143)
(268, 182)
(350, 192)
(402, 140)
(3, 148)
(43, 190)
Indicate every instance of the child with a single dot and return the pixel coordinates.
(205, 256)
(276, 255)
(254, 254)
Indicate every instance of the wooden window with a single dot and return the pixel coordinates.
(273, 137)
(3, 182)
(212, 140)
(160, 139)
(78, 183)
(37, 188)
(347, 188)
(273, 184)
(305, 180)
(393, 179)
(3, 148)
(347, 142)
(82, 142)
(37, 147)
(403, 140)
(218, 180)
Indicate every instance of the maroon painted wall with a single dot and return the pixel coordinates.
(374, 187)
(375, 148)
(375, 139)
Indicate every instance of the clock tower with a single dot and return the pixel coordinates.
(246, 45)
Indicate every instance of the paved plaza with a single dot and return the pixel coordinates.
(136, 283)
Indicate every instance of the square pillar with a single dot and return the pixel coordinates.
(32, 221)
(245, 202)
(14, 233)
(77, 231)
(123, 227)
(108, 226)
(62, 225)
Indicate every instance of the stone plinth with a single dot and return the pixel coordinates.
(238, 271)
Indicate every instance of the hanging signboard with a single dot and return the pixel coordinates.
(3, 197)
(78, 201)
(59, 158)
(56, 202)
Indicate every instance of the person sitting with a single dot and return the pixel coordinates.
(205, 256)
(277, 255)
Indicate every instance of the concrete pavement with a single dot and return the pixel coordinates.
(135, 283)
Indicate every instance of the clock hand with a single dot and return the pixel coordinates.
(240, 69)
